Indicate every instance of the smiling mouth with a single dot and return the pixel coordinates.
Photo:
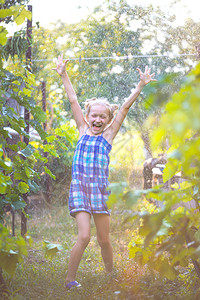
(97, 125)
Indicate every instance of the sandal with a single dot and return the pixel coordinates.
(73, 284)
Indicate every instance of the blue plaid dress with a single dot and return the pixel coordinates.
(88, 190)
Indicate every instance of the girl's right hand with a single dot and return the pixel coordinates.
(61, 65)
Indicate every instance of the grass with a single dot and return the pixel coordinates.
(43, 278)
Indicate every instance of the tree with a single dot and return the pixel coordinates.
(17, 174)
(116, 30)
(10, 4)
(169, 236)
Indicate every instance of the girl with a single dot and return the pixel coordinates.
(88, 190)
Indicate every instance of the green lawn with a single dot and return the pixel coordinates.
(43, 278)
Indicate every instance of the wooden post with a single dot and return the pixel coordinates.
(27, 117)
(13, 222)
(44, 106)
(47, 177)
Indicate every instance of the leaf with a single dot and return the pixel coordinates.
(51, 249)
(166, 270)
(133, 250)
(28, 151)
(3, 189)
(50, 149)
(51, 138)
(8, 261)
(5, 182)
(185, 185)
(112, 199)
(152, 225)
(131, 197)
(23, 187)
(49, 173)
(197, 235)
(13, 147)
(33, 186)
(5, 13)
(3, 35)
(117, 190)
(170, 170)
(20, 16)
(40, 157)
(158, 137)
(28, 171)
(6, 165)
(39, 114)
(62, 145)
(181, 255)
(19, 204)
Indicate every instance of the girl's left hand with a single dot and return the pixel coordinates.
(61, 65)
(146, 77)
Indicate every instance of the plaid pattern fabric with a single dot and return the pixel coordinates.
(90, 175)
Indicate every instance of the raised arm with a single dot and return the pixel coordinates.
(145, 78)
(76, 109)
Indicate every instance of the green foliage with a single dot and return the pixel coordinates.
(18, 12)
(58, 147)
(16, 45)
(6, 4)
(51, 249)
(115, 29)
(169, 236)
(12, 251)
(44, 277)
(17, 158)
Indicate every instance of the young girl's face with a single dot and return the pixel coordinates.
(98, 118)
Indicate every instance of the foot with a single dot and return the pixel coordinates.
(73, 284)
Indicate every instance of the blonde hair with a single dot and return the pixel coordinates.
(112, 107)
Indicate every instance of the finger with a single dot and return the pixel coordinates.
(147, 70)
(138, 69)
(153, 79)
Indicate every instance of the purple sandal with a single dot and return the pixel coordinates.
(73, 284)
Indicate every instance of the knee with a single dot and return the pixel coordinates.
(104, 242)
(84, 240)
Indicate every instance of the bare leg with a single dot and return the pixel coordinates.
(102, 222)
(83, 223)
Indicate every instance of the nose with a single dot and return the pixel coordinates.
(98, 119)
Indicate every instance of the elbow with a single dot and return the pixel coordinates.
(73, 99)
(125, 108)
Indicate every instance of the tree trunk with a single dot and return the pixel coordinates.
(147, 148)
(27, 116)
(47, 177)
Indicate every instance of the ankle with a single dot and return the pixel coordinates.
(68, 280)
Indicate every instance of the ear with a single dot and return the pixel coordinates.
(86, 116)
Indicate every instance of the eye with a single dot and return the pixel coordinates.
(93, 115)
